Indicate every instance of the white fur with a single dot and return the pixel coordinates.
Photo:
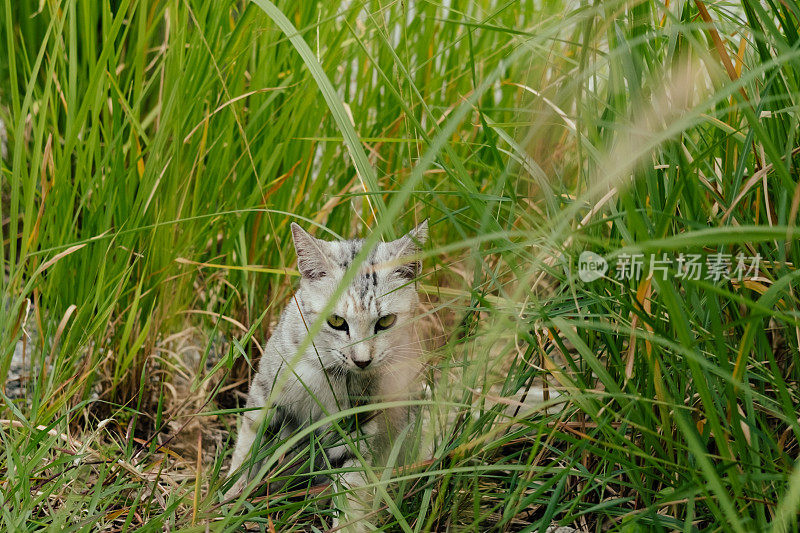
(316, 385)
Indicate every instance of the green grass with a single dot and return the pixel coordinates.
(158, 151)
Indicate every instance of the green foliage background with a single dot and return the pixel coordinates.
(158, 150)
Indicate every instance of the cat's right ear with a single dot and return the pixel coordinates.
(410, 244)
(311, 259)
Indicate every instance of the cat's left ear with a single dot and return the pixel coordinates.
(410, 244)
(311, 257)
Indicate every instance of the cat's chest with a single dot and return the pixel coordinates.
(360, 390)
(317, 395)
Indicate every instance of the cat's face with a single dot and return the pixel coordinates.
(370, 323)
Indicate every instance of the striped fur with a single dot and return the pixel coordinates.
(328, 376)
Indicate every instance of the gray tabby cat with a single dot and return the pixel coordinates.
(366, 352)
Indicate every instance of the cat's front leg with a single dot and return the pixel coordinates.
(244, 444)
(353, 498)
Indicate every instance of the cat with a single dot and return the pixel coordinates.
(366, 352)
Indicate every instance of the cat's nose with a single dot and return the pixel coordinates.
(362, 364)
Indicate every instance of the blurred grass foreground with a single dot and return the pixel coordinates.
(612, 190)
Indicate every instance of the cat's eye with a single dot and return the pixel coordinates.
(385, 322)
(337, 322)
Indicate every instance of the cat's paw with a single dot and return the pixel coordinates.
(342, 524)
(352, 511)
(235, 490)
